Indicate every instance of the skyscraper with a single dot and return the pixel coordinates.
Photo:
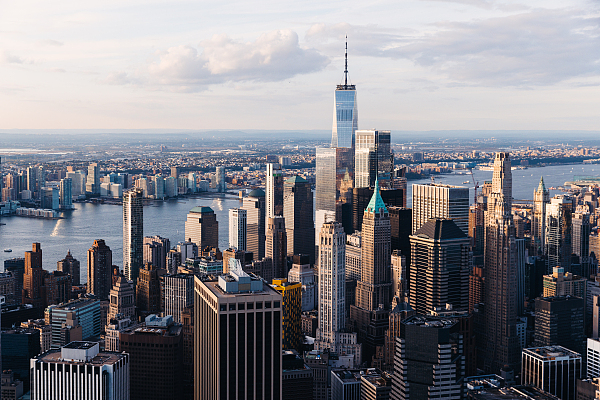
(33, 277)
(276, 246)
(122, 300)
(291, 296)
(562, 369)
(148, 290)
(373, 290)
(99, 269)
(440, 201)
(255, 207)
(237, 228)
(559, 214)
(202, 228)
(178, 294)
(502, 343)
(441, 261)
(155, 250)
(65, 197)
(541, 197)
(92, 185)
(237, 338)
(70, 266)
(274, 190)
(298, 213)
(345, 112)
(220, 178)
(133, 233)
(373, 159)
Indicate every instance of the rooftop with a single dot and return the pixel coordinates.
(512, 393)
(257, 193)
(201, 210)
(440, 229)
(296, 179)
(550, 353)
(427, 321)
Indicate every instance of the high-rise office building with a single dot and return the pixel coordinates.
(441, 261)
(7, 288)
(92, 185)
(80, 370)
(562, 283)
(429, 362)
(19, 345)
(541, 197)
(303, 273)
(373, 291)
(353, 256)
(297, 378)
(276, 246)
(559, 213)
(33, 277)
(237, 338)
(171, 189)
(155, 250)
(178, 294)
(187, 332)
(65, 196)
(440, 201)
(237, 228)
(554, 369)
(401, 224)
(274, 190)
(291, 295)
(71, 266)
(78, 182)
(581, 239)
(221, 185)
(298, 213)
(345, 112)
(255, 207)
(133, 233)
(500, 273)
(476, 287)
(159, 187)
(122, 300)
(16, 266)
(99, 269)
(560, 321)
(49, 198)
(156, 351)
(83, 314)
(148, 290)
(373, 159)
(202, 228)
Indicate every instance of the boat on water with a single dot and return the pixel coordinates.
(466, 182)
(8, 250)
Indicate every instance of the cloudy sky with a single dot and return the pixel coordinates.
(417, 64)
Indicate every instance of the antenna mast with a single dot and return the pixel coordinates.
(346, 65)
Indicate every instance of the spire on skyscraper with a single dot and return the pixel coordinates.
(346, 64)
(376, 203)
(541, 186)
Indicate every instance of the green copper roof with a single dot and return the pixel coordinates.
(296, 179)
(541, 187)
(376, 202)
(201, 210)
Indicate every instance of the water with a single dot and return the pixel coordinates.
(87, 222)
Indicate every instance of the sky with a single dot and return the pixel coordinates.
(418, 65)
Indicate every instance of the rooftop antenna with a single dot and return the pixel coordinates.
(346, 64)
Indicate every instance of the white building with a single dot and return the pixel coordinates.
(237, 228)
(593, 358)
(303, 272)
(79, 371)
(440, 201)
(178, 294)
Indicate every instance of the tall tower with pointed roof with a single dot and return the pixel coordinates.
(345, 111)
(541, 197)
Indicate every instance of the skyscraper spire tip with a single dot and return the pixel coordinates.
(346, 64)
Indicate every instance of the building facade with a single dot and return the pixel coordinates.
(133, 233)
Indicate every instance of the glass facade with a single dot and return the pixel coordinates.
(345, 116)
(373, 158)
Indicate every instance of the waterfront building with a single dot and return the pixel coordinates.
(80, 370)
(441, 262)
(298, 213)
(255, 207)
(276, 246)
(430, 361)
(78, 182)
(178, 294)
(122, 300)
(440, 201)
(237, 338)
(500, 274)
(92, 185)
(373, 159)
(70, 265)
(202, 228)
(155, 351)
(291, 295)
(553, 369)
(558, 236)
(221, 185)
(237, 228)
(274, 190)
(49, 198)
(155, 250)
(159, 187)
(99, 269)
(541, 198)
(133, 233)
(65, 196)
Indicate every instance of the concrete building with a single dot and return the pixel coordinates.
(303, 272)
(155, 250)
(82, 314)
(99, 269)
(202, 228)
(255, 207)
(148, 290)
(238, 338)
(541, 197)
(297, 378)
(554, 369)
(178, 294)
(559, 214)
(80, 371)
(562, 283)
(274, 190)
(237, 228)
(71, 266)
(560, 321)
(299, 220)
(440, 201)
(122, 300)
(276, 246)
(133, 233)
(92, 185)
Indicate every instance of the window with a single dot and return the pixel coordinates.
(250, 306)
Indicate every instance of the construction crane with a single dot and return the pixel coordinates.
(475, 186)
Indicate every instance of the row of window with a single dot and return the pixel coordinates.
(249, 306)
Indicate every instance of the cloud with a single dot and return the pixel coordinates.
(535, 48)
(12, 59)
(272, 57)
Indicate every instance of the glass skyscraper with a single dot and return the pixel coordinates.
(345, 116)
